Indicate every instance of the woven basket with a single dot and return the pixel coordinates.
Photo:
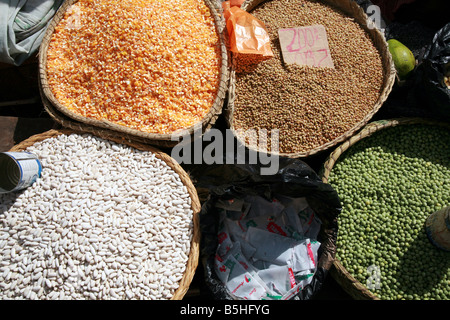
(352, 9)
(71, 120)
(193, 257)
(345, 279)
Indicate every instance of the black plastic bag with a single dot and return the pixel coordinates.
(424, 93)
(293, 179)
(428, 87)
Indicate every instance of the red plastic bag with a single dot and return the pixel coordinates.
(247, 34)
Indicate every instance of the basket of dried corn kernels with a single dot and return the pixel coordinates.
(105, 220)
(329, 74)
(148, 71)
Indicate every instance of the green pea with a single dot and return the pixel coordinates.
(391, 182)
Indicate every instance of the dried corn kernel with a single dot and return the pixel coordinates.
(149, 65)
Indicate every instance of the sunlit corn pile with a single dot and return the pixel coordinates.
(389, 183)
(310, 106)
(150, 65)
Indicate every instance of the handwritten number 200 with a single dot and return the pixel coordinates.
(305, 39)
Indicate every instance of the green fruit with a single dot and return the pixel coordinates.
(404, 60)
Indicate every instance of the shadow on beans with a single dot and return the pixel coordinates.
(421, 267)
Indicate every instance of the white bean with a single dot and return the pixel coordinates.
(90, 222)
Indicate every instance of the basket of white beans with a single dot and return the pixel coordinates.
(107, 219)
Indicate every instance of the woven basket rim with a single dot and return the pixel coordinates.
(52, 103)
(68, 123)
(342, 276)
(389, 74)
(193, 257)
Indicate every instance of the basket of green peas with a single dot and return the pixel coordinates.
(390, 177)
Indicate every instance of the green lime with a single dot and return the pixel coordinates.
(403, 58)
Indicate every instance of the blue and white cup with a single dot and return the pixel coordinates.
(18, 170)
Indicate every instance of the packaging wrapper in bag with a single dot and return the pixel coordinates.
(266, 249)
(22, 27)
(294, 179)
(246, 33)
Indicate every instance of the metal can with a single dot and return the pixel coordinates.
(437, 227)
(18, 170)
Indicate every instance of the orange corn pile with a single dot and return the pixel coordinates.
(150, 65)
